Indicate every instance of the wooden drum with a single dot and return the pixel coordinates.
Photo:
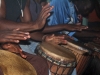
(61, 61)
(82, 55)
(95, 48)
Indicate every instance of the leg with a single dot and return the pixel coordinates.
(39, 64)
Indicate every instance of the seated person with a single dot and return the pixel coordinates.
(36, 61)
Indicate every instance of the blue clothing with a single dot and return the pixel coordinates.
(30, 48)
(63, 13)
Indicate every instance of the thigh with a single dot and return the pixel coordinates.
(38, 63)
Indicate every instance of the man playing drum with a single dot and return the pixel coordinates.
(11, 10)
(59, 20)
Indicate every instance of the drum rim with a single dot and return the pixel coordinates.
(63, 64)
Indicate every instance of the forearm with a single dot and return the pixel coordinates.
(85, 34)
(55, 28)
(37, 36)
(11, 25)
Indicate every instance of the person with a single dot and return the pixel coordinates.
(8, 18)
(11, 11)
(34, 60)
(92, 33)
(65, 13)
(47, 29)
(20, 18)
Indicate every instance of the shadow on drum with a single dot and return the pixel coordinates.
(12, 64)
(61, 61)
(82, 53)
(94, 66)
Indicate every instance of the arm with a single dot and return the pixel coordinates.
(86, 34)
(57, 39)
(68, 27)
(25, 25)
(37, 36)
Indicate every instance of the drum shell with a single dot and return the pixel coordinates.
(56, 68)
(82, 56)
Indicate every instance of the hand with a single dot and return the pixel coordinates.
(45, 12)
(71, 27)
(13, 36)
(55, 39)
(13, 47)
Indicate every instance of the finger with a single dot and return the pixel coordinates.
(16, 29)
(20, 32)
(59, 37)
(64, 42)
(45, 14)
(46, 11)
(22, 54)
(45, 6)
(10, 40)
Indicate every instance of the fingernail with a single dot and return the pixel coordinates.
(28, 36)
(27, 33)
(25, 38)
(17, 41)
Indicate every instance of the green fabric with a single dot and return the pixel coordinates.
(85, 21)
(13, 10)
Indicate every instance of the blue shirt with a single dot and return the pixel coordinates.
(63, 13)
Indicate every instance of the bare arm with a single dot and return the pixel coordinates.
(87, 34)
(26, 23)
(68, 27)
(36, 36)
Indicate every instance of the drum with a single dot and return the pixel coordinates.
(95, 47)
(12, 64)
(94, 66)
(61, 61)
(82, 55)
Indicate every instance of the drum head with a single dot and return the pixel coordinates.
(58, 52)
(12, 64)
(77, 47)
